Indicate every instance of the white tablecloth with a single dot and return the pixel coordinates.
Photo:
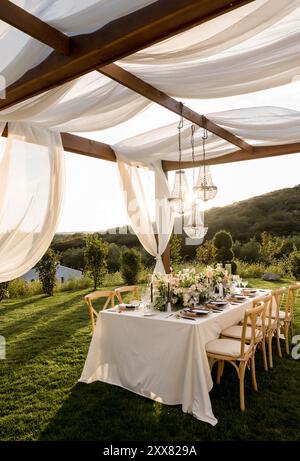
(157, 357)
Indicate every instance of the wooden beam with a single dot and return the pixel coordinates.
(115, 40)
(259, 152)
(87, 147)
(33, 26)
(129, 80)
(83, 146)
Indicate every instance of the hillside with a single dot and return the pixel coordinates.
(277, 212)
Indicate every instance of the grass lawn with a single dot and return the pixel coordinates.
(40, 398)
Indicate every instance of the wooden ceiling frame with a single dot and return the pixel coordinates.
(114, 41)
(98, 150)
(139, 86)
(31, 25)
(118, 39)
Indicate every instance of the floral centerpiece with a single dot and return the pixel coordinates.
(188, 287)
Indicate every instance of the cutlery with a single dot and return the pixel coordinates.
(186, 318)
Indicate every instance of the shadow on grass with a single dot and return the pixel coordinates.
(104, 412)
(40, 312)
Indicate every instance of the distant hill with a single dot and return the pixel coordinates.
(277, 212)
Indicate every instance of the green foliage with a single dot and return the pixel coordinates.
(4, 293)
(114, 278)
(46, 269)
(96, 251)
(249, 251)
(223, 239)
(206, 253)
(233, 267)
(76, 284)
(256, 270)
(270, 248)
(113, 257)
(175, 249)
(294, 264)
(73, 257)
(222, 242)
(130, 266)
(20, 288)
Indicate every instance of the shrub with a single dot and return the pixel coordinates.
(96, 254)
(233, 267)
(113, 279)
(250, 270)
(46, 269)
(130, 266)
(20, 288)
(270, 248)
(73, 257)
(144, 275)
(4, 293)
(222, 242)
(294, 264)
(114, 257)
(175, 249)
(76, 284)
(256, 270)
(250, 251)
(206, 253)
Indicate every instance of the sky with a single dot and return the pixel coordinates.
(94, 201)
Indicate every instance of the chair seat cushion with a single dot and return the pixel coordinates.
(259, 323)
(235, 331)
(281, 314)
(228, 347)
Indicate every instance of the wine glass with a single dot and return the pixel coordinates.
(195, 299)
(145, 299)
(244, 283)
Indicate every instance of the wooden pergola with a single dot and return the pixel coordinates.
(75, 56)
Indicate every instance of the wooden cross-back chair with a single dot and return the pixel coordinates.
(239, 352)
(236, 331)
(286, 316)
(134, 289)
(110, 301)
(273, 322)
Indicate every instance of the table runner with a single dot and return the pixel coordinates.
(159, 357)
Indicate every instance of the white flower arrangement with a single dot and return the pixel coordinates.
(188, 286)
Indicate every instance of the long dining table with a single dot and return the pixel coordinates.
(159, 356)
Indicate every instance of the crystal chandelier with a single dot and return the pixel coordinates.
(195, 228)
(205, 189)
(180, 189)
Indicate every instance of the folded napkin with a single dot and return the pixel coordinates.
(235, 300)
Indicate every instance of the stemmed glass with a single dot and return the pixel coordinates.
(195, 297)
(244, 283)
(146, 299)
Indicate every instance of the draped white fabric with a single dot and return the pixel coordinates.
(133, 184)
(31, 192)
(258, 125)
(251, 51)
(248, 49)
(19, 52)
(92, 102)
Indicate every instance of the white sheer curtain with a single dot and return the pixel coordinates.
(31, 192)
(131, 177)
